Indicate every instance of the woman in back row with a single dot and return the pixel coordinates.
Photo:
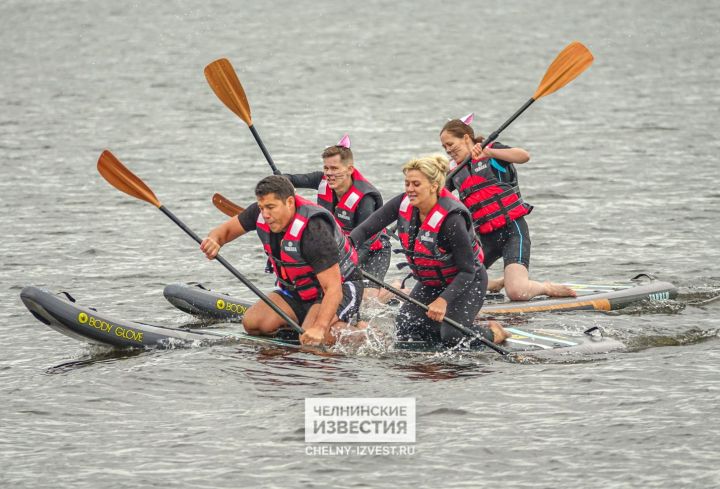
(438, 240)
(488, 186)
(351, 198)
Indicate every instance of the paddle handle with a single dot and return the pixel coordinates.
(492, 137)
(447, 320)
(235, 272)
(264, 150)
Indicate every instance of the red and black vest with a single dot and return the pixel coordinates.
(492, 203)
(430, 264)
(344, 211)
(292, 271)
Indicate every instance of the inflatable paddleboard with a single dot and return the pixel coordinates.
(196, 299)
(62, 313)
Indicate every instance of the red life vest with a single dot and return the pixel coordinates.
(492, 203)
(430, 264)
(292, 271)
(344, 211)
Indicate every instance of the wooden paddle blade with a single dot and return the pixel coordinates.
(123, 179)
(568, 65)
(226, 206)
(224, 82)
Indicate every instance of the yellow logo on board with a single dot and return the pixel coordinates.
(230, 306)
(105, 327)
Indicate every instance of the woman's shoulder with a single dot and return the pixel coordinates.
(499, 145)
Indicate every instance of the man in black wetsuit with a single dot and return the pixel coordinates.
(351, 198)
(320, 286)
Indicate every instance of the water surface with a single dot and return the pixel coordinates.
(623, 176)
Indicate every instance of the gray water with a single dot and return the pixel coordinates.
(623, 176)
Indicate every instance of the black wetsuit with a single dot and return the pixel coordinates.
(464, 296)
(511, 242)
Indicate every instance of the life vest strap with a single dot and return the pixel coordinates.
(297, 288)
(465, 193)
(502, 211)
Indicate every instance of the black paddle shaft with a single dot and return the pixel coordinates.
(492, 137)
(264, 150)
(447, 320)
(234, 271)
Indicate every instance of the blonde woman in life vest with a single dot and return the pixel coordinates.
(438, 240)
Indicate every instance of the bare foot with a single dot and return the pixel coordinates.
(384, 296)
(496, 284)
(557, 290)
(499, 333)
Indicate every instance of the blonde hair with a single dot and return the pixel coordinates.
(433, 167)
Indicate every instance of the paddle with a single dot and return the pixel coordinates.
(226, 206)
(120, 177)
(224, 82)
(568, 65)
(447, 320)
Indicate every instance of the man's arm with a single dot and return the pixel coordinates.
(330, 281)
(228, 231)
(305, 180)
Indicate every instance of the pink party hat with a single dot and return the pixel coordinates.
(344, 142)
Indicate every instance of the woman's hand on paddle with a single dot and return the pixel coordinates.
(478, 153)
(437, 309)
(210, 247)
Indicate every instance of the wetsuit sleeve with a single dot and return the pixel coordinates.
(363, 211)
(318, 246)
(305, 180)
(379, 219)
(248, 217)
(455, 238)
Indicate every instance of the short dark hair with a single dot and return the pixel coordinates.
(346, 156)
(275, 184)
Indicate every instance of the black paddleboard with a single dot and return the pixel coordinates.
(62, 313)
(196, 299)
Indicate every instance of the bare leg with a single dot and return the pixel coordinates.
(384, 296)
(371, 293)
(496, 284)
(519, 287)
(261, 320)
